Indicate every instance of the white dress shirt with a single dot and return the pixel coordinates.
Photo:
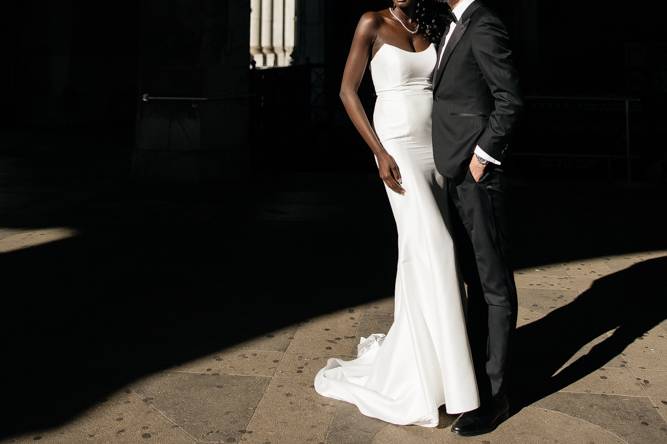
(458, 11)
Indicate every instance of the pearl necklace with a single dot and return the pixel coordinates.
(391, 11)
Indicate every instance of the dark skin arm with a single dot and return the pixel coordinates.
(355, 67)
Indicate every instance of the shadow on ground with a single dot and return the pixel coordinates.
(630, 302)
(161, 277)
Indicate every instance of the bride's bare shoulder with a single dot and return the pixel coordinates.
(371, 20)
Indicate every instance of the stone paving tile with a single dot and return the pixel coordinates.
(349, 426)
(333, 334)
(654, 383)
(303, 366)
(531, 425)
(663, 327)
(649, 351)
(242, 362)
(608, 381)
(527, 316)
(653, 254)
(7, 232)
(621, 262)
(632, 418)
(381, 307)
(33, 238)
(544, 301)
(543, 281)
(123, 418)
(374, 323)
(290, 412)
(277, 340)
(209, 407)
(588, 268)
(616, 361)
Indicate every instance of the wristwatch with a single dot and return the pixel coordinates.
(481, 160)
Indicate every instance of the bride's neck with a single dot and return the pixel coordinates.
(407, 13)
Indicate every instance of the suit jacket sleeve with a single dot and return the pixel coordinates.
(491, 48)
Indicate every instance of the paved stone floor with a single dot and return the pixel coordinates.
(593, 364)
(261, 391)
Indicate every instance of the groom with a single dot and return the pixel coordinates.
(476, 105)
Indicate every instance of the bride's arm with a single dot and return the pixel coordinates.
(355, 67)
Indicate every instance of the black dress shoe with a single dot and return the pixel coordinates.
(484, 419)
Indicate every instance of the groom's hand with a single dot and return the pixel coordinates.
(476, 168)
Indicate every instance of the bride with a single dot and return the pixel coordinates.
(424, 360)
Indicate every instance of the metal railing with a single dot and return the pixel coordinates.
(172, 108)
(149, 98)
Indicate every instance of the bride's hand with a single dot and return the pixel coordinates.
(389, 172)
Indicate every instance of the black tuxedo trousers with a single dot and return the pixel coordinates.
(476, 215)
(477, 103)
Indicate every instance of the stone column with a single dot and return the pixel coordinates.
(279, 31)
(267, 33)
(256, 32)
(290, 29)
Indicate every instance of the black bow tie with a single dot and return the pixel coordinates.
(449, 15)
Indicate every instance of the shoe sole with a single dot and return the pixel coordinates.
(500, 420)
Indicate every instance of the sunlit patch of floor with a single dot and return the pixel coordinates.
(14, 240)
(261, 391)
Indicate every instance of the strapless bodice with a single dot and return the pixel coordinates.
(395, 70)
(403, 84)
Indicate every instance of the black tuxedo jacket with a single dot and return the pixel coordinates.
(476, 97)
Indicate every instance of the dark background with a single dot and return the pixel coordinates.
(201, 224)
(74, 70)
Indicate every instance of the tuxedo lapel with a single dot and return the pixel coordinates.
(454, 40)
(443, 38)
(451, 45)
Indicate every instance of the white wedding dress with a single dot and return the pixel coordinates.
(424, 360)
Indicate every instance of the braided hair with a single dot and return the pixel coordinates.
(430, 15)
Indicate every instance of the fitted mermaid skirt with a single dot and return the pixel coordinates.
(424, 360)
